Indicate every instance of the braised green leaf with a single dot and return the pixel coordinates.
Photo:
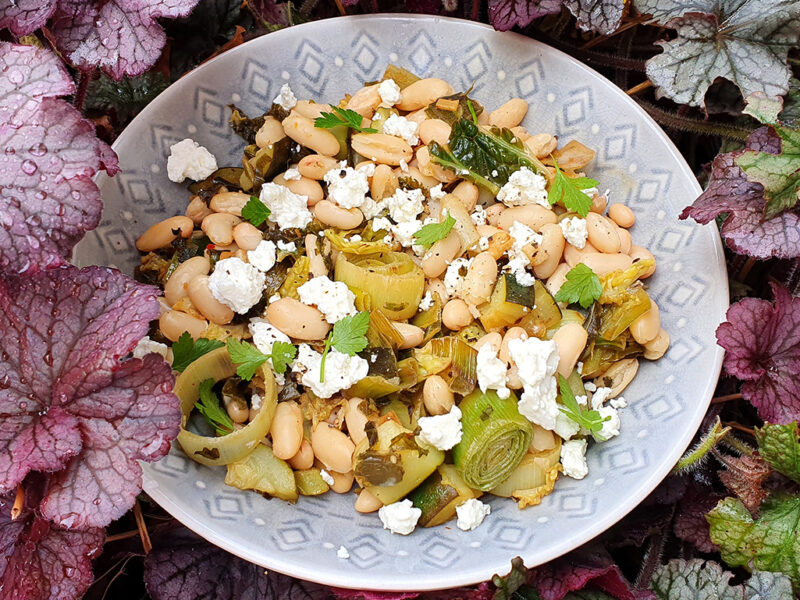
(186, 350)
(582, 287)
(433, 232)
(208, 406)
(342, 116)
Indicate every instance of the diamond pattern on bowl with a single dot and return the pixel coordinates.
(528, 80)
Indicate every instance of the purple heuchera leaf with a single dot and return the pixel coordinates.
(690, 522)
(69, 402)
(602, 16)
(39, 560)
(729, 191)
(122, 37)
(762, 341)
(478, 592)
(505, 14)
(25, 16)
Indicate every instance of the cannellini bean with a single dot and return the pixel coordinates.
(365, 100)
(493, 339)
(646, 327)
(436, 396)
(512, 378)
(639, 253)
(310, 188)
(237, 409)
(367, 502)
(175, 287)
(412, 335)
(618, 376)
(334, 215)
(441, 254)
(418, 116)
(332, 447)
(509, 114)
(286, 430)
(229, 202)
(467, 192)
(310, 109)
(202, 299)
(542, 439)
(297, 320)
(342, 482)
(480, 279)
(557, 279)
(164, 232)
(599, 203)
(434, 130)
(314, 166)
(521, 133)
(219, 227)
(197, 210)
(541, 145)
(425, 180)
(603, 264)
(247, 236)
(435, 286)
(422, 92)
(383, 183)
(571, 340)
(657, 347)
(304, 459)
(552, 246)
(621, 215)
(532, 215)
(301, 129)
(382, 148)
(494, 212)
(174, 323)
(456, 314)
(602, 233)
(316, 265)
(270, 132)
(355, 420)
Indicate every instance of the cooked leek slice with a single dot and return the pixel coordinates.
(392, 280)
(296, 276)
(402, 77)
(440, 494)
(462, 375)
(543, 315)
(616, 318)
(494, 441)
(381, 332)
(507, 304)
(339, 241)
(533, 479)
(263, 472)
(430, 320)
(617, 282)
(215, 451)
(310, 482)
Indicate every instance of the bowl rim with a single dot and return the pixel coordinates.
(295, 568)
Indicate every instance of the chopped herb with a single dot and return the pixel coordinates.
(582, 286)
(208, 406)
(588, 419)
(472, 112)
(568, 191)
(255, 211)
(342, 116)
(433, 232)
(282, 354)
(348, 336)
(249, 358)
(186, 350)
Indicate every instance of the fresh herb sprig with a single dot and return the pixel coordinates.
(582, 286)
(433, 232)
(348, 336)
(255, 211)
(208, 406)
(186, 350)
(342, 116)
(249, 358)
(588, 419)
(567, 190)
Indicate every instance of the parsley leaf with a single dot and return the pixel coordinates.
(282, 354)
(208, 406)
(433, 232)
(342, 116)
(255, 211)
(186, 350)
(348, 336)
(249, 358)
(568, 191)
(582, 286)
(588, 419)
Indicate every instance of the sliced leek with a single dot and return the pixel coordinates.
(263, 472)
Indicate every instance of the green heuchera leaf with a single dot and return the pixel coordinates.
(771, 543)
(507, 585)
(778, 173)
(697, 579)
(779, 445)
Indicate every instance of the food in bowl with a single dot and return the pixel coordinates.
(403, 290)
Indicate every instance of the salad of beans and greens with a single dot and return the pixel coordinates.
(405, 291)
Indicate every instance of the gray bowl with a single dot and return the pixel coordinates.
(635, 160)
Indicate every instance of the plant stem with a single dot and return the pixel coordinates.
(122, 536)
(476, 9)
(83, 86)
(746, 268)
(638, 88)
(339, 5)
(695, 455)
(652, 559)
(682, 123)
(734, 425)
(738, 445)
(721, 399)
(19, 503)
(142, 528)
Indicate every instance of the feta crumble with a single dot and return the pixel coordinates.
(236, 284)
(565, 427)
(426, 302)
(326, 477)
(342, 553)
(518, 261)
(347, 187)
(286, 98)
(292, 174)
(287, 209)
(573, 458)
(401, 127)
(400, 517)
(341, 370)
(491, 371)
(575, 232)
(189, 159)
(389, 92)
(263, 256)
(436, 192)
(441, 431)
(524, 187)
(537, 362)
(471, 514)
(333, 298)
(147, 346)
(287, 246)
(405, 205)
(454, 276)
(265, 334)
(478, 215)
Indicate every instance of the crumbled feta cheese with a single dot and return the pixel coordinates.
(341, 370)
(565, 427)
(405, 205)
(494, 173)
(347, 187)
(524, 187)
(436, 192)
(611, 425)
(286, 98)
(389, 92)
(426, 302)
(400, 517)
(537, 362)
(367, 168)
(189, 159)
(582, 400)
(483, 243)
(342, 553)
(454, 276)
(263, 257)
(333, 298)
(491, 371)
(575, 232)
(287, 209)
(518, 261)
(292, 174)
(326, 477)
(256, 401)
(523, 235)
(371, 209)
(287, 246)
(471, 514)
(579, 368)
(573, 458)
(618, 402)
(599, 396)
(381, 224)
(147, 346)
(591, 192)
(404, 232)
(265, 334)
(589, 386)
(236, 284)
(478, 215)
(401, 127)
(403, 165)
(517, 266)
(441, 431)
